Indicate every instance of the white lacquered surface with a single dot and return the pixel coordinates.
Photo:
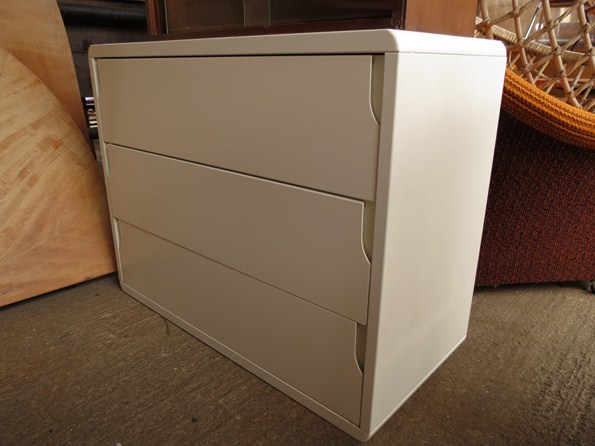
(436, 99)
(304, 242)
(434, 168)
(262, 324)
(291, 119)
(376, 41)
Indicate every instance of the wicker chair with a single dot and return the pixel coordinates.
(561, 63)
(540, 220)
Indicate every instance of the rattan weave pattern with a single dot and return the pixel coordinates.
(559, 69)
(547, 114)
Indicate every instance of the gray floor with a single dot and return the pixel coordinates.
(91, 366)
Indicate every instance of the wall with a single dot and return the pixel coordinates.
(91, 22)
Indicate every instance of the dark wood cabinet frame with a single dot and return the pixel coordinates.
(455, 17)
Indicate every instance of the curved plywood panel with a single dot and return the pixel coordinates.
(33, 32)
(54, 226)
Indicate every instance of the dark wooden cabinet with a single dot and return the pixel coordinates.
(209, 18)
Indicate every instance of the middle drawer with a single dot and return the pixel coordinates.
(304, 242)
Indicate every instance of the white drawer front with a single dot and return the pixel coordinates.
(304, 242)
(306, 346)
(304, 120)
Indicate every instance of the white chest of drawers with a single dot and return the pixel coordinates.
(309, 205)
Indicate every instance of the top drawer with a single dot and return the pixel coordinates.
(304, 120)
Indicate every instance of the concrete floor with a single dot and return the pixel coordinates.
(89, 365)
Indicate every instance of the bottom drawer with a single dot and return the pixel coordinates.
(306, 346)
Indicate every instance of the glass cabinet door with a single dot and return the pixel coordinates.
(209, 18)
(194, 15)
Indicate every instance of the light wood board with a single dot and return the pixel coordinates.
(34, 33)
(54, 227)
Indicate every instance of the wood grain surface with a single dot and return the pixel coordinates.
(33, 32)
(54, 227)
